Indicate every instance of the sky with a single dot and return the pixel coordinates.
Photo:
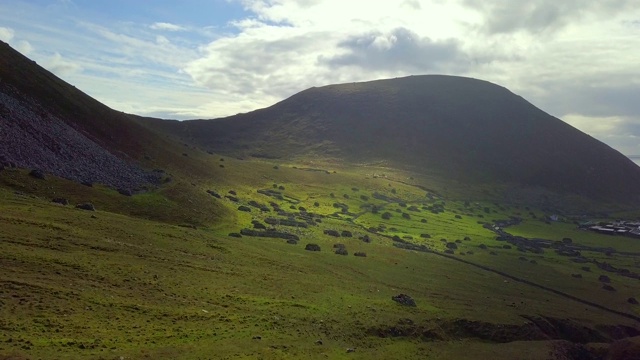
(578, 60)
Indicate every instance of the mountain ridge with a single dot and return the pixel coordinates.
(457, 126)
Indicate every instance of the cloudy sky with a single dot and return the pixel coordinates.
(578, 60)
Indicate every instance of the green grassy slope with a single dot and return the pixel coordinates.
(157, 274)
(81, 284)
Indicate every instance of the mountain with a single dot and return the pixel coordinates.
(48, 125)
(460, 127)
(264, 258)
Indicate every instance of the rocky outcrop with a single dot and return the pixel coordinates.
(32, 137)
(404, 299)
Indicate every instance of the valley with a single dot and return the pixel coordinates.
(83, 284)
(425, 217)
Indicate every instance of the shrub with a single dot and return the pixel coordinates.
(312, 247)
(332, 233)
(341, 251)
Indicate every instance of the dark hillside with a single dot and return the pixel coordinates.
(48, 124)
(467, 128)
(111, 129)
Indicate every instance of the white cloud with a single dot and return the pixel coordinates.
(23, 46)
(161, 40)
(6, 34)
(166, 27)
(623, 131)
(60, 66)
(292, 45)
(540, 16)
(553, 53)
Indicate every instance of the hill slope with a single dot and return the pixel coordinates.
(466, 128)
(49, 125)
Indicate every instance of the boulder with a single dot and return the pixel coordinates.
(604, 279)
(292, 242)
(244, 208)
(608, 287)
(235, 235)
(38, 174)
(214, 194)
(332, 233)
(61, 201)
(125, 192)
(346, 233)
(360, 254)
(86, 206)
(404, 299)
(632, 301)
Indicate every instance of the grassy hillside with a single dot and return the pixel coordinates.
(215, 260)
(82, 284)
